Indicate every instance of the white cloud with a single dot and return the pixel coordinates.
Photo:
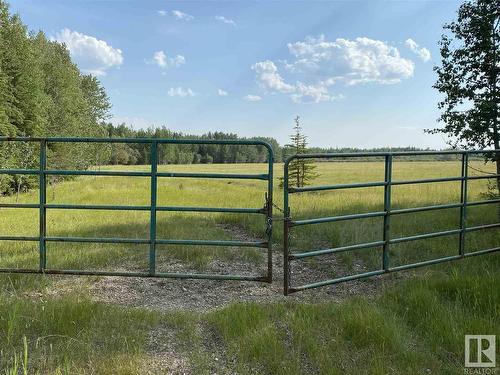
(361, 60)
(221, 92)
(252, 98)
(268, 76)
(421, 52)
(180, 92)
(320, 64)
(313, 93)
(225, 20)
(182, 16)
(163, 61)
(162, 13)
(92, 55)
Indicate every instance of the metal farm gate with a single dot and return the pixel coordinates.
(42, 172)
(386, 240)
(266, 210)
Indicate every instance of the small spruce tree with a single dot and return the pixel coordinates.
(301, 171)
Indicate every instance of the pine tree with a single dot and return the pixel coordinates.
(301, 171)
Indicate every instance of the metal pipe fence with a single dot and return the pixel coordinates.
(388, 211)
(42, 172)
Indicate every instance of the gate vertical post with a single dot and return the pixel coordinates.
(387, 210)
(286, 231)
(270, 216)
(152, 222)
(42, 202)
(463, 201)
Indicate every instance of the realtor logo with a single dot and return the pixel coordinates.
(480, 351)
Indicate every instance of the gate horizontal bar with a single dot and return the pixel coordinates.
(19, 171)
(335, 250)
(425, 236)
(337, 218)
(425, 208)
(62, 172)
(214, 175)
(135, 208)
(19, 205)
(426, 181)
(96, 207)
(481, 227)
(336, 281)
(98, 240)
(172, 275)
(213, 243)
(483, 177)
(481, 252)
(424, 263)
(19, 270)
(19, 238)
(137, 140)
(383, 154)
(478, 203)
(335, 187)
(212, 209)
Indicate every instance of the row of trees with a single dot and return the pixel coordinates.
(137, 153)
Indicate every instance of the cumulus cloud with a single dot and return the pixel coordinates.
(180, 92)
(361, 60)
(268, 77)
(225, 20)
(252, 98)
(221, 92)
(163, 61)
(317, 64)
(422, 52)
(162, 13)
(182, 16)
(92, 55)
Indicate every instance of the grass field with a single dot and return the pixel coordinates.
(414, 325)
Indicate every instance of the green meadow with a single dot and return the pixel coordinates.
(411, 324)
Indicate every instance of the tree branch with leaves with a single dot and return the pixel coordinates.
(468, 78)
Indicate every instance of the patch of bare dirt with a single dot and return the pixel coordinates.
(164, 355)
(206, 295)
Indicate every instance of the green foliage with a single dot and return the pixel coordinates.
(301, 171)
(469, 78)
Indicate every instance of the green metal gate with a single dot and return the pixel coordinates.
(42, 172)
(386, 240)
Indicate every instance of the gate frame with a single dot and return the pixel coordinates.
(386, 214)
(153, 174)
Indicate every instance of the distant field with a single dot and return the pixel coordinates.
(419, 324)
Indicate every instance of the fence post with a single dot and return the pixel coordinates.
(463, 201)
(270, 217)
(387, 210)
(286, 232)
(42, 202)
(152, 222)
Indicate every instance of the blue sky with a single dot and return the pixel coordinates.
(359, 73)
